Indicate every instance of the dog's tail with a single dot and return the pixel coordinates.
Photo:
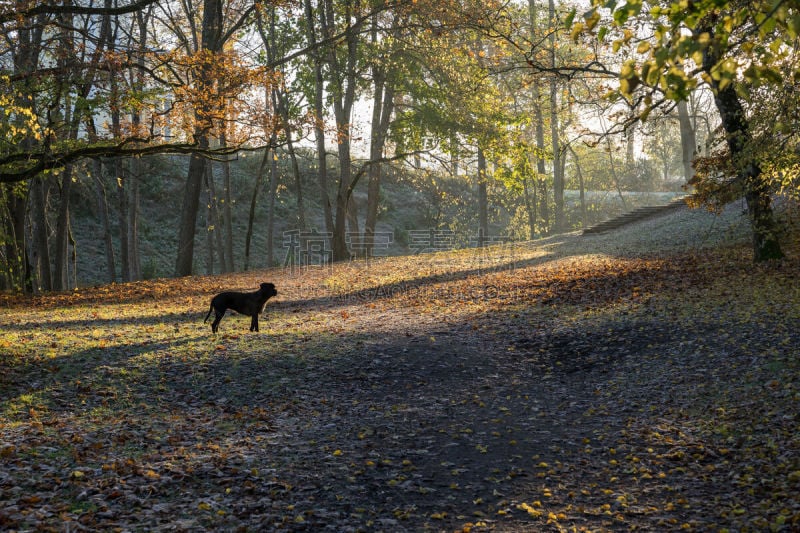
(211, 308)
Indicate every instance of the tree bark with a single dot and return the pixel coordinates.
(40, 253)
(29, 47)
(483, 200)
(319, 116)
(136, 164)
(688, 140)
(252, 215)
(215, 229)
(273, 191)
(12, 217)
(134, 258)
(124, 219)
(281, 104)
(210, 229)
(530, 207)
(105, 221)
(227, 216)
(382, 108)
(375, 153)
(211, 42)
(539, 125)
(766, 244)
(342, 88)
(61, 274)
(558, 174)
(584, 215)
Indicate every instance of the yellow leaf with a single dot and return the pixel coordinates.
(577, 29)
(530, 510)
(592, 19)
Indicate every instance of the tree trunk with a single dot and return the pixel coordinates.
(210, 229)
(382, 107)
(530, 207)
(584, 215)
(384, 102)
(541, 171)
(227, 217)
(273, 191)
(211, 37)
(135, 266)
(539, 125)
(759, 203)
(342, 88)
(280, 102)
(737, 129)
(14, 270)
(558, 175)
(298, 181)
(319, 116)
(630, 142)
(61, 274)
(124, 219)
(28, 42)
(135, 165)
(612, 165)
(252, 215)
(688, 140)
(40, 253)
(105, 221)
(483, 200)
(216, 218)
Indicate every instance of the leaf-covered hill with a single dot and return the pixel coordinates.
(642, 379)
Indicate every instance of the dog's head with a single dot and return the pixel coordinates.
(269, 289)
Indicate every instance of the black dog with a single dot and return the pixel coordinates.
(246, 303)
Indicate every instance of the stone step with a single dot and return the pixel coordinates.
(634, 216)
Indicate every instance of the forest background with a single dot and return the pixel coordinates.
(153, 139)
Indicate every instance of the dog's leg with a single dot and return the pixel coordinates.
(254, 323)
(217, 317)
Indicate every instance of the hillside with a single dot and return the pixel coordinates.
(409, 203)
(641, 379)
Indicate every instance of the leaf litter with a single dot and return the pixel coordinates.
(617, 382)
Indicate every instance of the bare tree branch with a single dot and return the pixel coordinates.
(46, 8)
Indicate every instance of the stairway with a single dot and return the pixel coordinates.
(637, 214)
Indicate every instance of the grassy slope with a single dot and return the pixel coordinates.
(643, 378)
(402, 208)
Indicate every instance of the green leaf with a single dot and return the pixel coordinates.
(570, 19)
